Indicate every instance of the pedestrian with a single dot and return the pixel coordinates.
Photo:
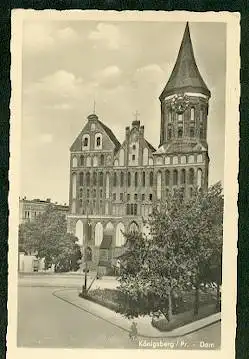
(133, 333)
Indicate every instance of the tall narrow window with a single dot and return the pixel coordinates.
(102, 160)
(94, 193)
(94, 178)
(180, 117)
(135, 197)
(129, 179)
(121, 179)
(85, 142)
(145, 156)
(98, 141)
(169, 133)
(74, 184)
(135, 209)
(128, 209)
(81, 178)
(143, 180)
(191, 176)
(81, 193)
(192, 114)
(201, 132)
(180, 132)
(175, 178)
(167, 176)
(101, 179)
(107, 185)
(183, 176)
(159, 185)
(88, 178)
(114, 179)
(151, 178)
(75, 162)
(199, 178)
(136, 179)
(81, 160)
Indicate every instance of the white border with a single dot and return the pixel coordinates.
(230, 176)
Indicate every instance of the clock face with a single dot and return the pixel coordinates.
(180, 103)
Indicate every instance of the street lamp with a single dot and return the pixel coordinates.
(86, 255)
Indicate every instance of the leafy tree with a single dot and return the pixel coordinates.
(185, 243)
(47, 237)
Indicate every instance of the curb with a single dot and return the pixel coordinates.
(175, 333)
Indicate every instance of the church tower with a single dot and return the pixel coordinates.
(184, 112)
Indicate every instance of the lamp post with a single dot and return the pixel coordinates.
(86, 255)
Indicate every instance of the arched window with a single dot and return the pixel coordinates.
(98, 141)
(180, 132)
(75, 162)
(192, 132)
(114, 179)
(192, 114)
(88, 161)
(74, 185)
(191, 176)
(107, 186)
(81, 178)
(175, 178)
(167, 160)
(199, 178)
(175, 160)
(121, 157)
(183, 176)
(133, 227)
(101, 179)
(120, 238)
(102, 160)
(129, 179)
(79, 232)
(167, 177)
(180, 117)
(95, 161)
(88, 178)
(199, 158)
(116, 162)
(121, 179)
(143, 179)
(85, 142)
(94, 178)
(159, 185)
(81, 160)
(136, 179)
(98, 234)
(145, 156)
(81, 192)
(183, 159)
(151, 178)
(191, 159)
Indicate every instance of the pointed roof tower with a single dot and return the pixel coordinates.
(185, 76)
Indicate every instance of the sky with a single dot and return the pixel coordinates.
(123, 66)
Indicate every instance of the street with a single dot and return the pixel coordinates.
(45, 321)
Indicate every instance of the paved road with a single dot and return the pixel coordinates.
(48, 322)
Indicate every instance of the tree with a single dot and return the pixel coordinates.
(186, 239)
(47, 237)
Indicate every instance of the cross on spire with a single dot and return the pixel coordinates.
(136, 114)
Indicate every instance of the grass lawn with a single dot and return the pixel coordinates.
(183, 314)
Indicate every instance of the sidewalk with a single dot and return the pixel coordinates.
(145, 329)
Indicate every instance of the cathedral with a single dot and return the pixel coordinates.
(114, 186)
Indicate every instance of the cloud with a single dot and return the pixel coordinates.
(37, 36)
(108, 33)
(67, 34)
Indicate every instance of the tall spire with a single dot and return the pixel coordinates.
(185, 76)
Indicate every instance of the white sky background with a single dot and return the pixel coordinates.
(124, 66)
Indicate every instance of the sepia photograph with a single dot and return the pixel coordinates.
(123, 175)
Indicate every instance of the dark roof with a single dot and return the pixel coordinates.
(106, 242)
(110, 134)
(185, 75)
(150, 146)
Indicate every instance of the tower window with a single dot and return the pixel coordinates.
(98, 141)
(135, 209)
(183, 176)
(88, 179)
(128, 209)
(135, 197)
(102, 160)
(143, 181)
(180, 117)
(136, 179)
(180, 132)
(128, 197)
(101, 193)
(129, 179)
(94, 193)
(201, 132)
(143, 197)
(82, 160)
(121, 196)
(133, 157)
(192, 114)
(101, 179)
(191, 176)
(151, 178)
(81, 178)
(192, 132)
(134, 147)
(114, 179)
(81, 193)
(150, 196)
(114, 196)
(167, 176)
(85, 142)
(121, 179)
(88, 193)
(175, 177)
(169, 133)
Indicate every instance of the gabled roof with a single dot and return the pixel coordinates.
(110, 134)
(185, 75)
(150, 146)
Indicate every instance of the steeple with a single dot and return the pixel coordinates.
(185, 76)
